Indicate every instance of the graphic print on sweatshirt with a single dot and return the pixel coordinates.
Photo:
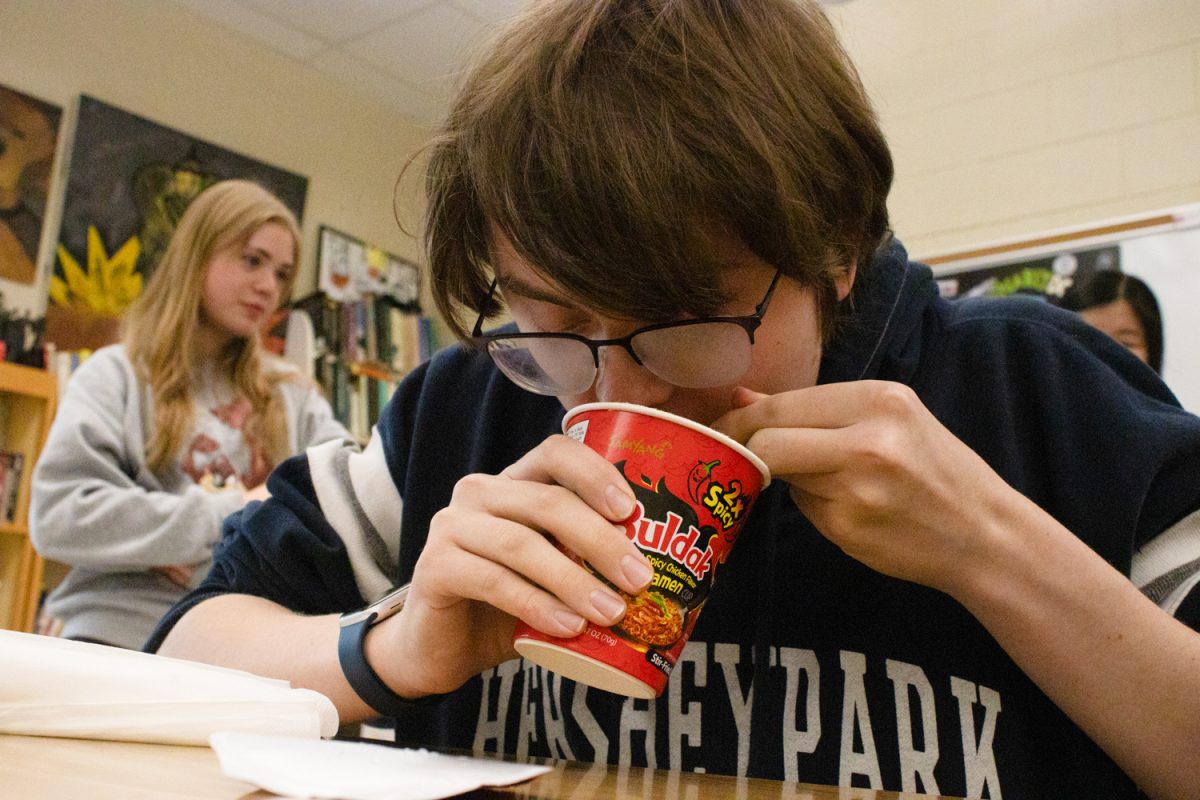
(896, 727)
(222, 448)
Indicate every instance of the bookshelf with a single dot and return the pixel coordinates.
(28, 397)
(363, 349)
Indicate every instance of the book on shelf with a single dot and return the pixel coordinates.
(362, 349)
(63, 364)
(12, 464)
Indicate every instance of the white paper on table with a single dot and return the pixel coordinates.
(358, 770)
(59, 687)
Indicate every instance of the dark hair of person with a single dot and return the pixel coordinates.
(1102, 287)
(609, 140)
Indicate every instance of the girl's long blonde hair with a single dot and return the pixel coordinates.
(159, 329)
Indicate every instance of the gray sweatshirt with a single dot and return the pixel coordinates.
(97, 507)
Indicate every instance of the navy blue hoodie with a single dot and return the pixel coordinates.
(805, 665)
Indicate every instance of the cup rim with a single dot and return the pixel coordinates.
(649, 411)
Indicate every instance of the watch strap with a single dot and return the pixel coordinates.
(364, 680)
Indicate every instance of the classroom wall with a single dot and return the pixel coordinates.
(1011, 117)
(165, 62)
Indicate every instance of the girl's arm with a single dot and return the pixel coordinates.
(87, 507)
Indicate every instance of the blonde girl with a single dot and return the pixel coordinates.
(160, 437)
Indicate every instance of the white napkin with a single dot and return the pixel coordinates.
(357, 770)
(57, 687)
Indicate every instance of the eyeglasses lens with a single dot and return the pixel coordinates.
(545, 365)
(692, 356)
(695, 356)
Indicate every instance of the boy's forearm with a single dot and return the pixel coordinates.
(255, 635)
(1101, 650)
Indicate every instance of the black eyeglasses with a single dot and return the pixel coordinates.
(690, 353)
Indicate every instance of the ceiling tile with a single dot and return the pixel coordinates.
(243, 19)
(490, 10)
(423, 109)
(337, 21)
(427, 49)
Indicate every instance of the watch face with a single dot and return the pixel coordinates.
(382, 608)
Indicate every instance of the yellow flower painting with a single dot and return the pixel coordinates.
(108, 285)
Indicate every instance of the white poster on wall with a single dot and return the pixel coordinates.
(1169, 263)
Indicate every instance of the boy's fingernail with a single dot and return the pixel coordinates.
(572, 622)
(619, 502)
(636, 570)
(609, 605)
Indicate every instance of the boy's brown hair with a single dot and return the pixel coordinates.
(608, 139)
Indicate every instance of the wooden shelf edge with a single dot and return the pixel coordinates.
(375, 369)
(20, 379)
(29, 396)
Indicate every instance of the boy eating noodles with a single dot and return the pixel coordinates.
(975, 572)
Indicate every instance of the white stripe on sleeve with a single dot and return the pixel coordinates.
(331, 478)
(1168, 567)
(377, 495)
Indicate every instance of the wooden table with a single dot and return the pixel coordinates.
(42, 768)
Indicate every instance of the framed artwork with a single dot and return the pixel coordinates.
(348, 268)
(28, 138)
(129, 181)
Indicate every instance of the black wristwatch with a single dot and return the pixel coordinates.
(351, 654)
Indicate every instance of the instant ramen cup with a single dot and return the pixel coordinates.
(694, 489)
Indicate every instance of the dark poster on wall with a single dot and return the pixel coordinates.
(28, 138)
(129, 181)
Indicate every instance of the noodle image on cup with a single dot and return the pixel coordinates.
(694, 489)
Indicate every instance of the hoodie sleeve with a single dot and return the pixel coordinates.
(87, 508)
(283, 549)
(1083, 428)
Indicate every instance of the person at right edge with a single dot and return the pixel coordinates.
(1122, 306)
(975, 572)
